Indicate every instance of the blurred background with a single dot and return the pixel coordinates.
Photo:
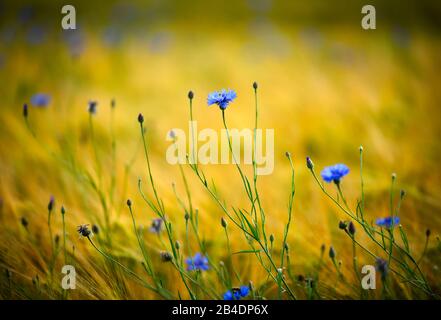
(326, 86)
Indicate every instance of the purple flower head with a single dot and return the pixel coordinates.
(237, 293)
(382, 267)
(387, 222)
(40, 100)
(335, 172)
(198, 262)
(222, 98)
(156, 226)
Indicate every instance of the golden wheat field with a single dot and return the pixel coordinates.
(325, 86)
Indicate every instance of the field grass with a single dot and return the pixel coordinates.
(325, 92)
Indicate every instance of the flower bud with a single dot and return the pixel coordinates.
(140, 118)
(342, 225)
(309, 163)
(51, 203)
(25, 110)
(223, 223)
(351, 228)
(331, 252)
(271, 238)
(255, 86)
(95, 229)
(129, 202)
(190, 95)
(24, 222)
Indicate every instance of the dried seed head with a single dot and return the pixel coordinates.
(129, 202)
(331, 252)
(140, 118)
(255, 85)
(166, 256)
(223, 223)
(190, 95)
(351, 228)
(83, 230)
(309, 163)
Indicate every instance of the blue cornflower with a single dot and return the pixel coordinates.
(335, 172)
(198, 262)
(40, 100)
(387, 222)
(156, 226)
(222, 98)
(237, 293)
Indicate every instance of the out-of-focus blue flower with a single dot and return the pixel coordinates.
(387, 222)
(237, 293)
(335, 172)
(228, 295)
(198, 262)
(75, 40)
(222, 98)
(112, 36)
(381, 267)
(40, 100)
(156, 226)
(36, 35)
(26, 13)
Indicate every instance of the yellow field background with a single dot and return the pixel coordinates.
(326, 86)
